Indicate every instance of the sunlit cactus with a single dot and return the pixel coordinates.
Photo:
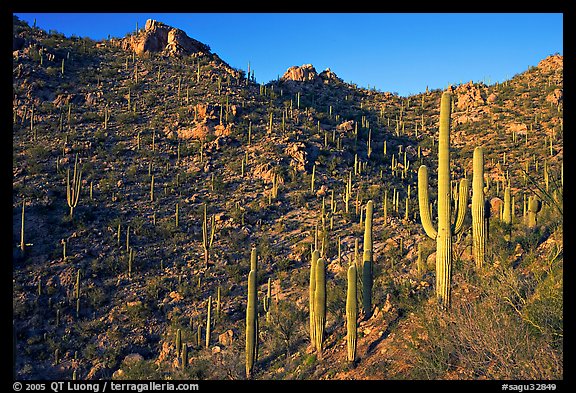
(367, 261)
(478, 208)
(251, 325)
(446, 230)
(320, 304)
(351, 313)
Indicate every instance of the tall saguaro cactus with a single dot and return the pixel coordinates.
(445, 230)
(478, 208)
(312, 289)
(251, 325)
(22, 243)
(367, 262)
(351, 313)
(207, 238)
(320, 304)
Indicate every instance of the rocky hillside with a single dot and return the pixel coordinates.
(146, 169)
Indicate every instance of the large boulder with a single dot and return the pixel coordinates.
(469, 95)
(303, 73)
(159, 37)
(307, 73)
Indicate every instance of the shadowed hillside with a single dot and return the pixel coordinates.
(146, 170)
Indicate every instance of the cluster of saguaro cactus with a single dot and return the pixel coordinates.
(367, 262)
(443, 235)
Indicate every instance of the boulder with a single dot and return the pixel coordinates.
(328, 76)
(346, 126)
(226, 338)
(555, 97)
(495, 204)
(518, 128)
(199, 132)
(469, 95)
(303, 73)
(159, 37)
(298, 155)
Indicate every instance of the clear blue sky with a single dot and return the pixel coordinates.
(394, 52)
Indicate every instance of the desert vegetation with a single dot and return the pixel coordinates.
(173, 218)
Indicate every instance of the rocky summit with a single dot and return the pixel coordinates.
(158, 37)
(175, 219)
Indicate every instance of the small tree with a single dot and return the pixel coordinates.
(286, 324)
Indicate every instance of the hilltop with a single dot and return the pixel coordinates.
(163, 130)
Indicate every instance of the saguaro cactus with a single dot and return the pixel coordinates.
(208, 319)
(73, 190)
(207, 238)
(178, 341)
(367, 261)
(351, 313)
(22, 243)
(534, 207)
(268, 300)
(478, 208)
(320, 304)
(445, 230)
(507, 213)
(251, 325)
(312, 289)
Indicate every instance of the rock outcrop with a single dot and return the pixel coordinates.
(556, 97)
(469, 95)
(307, 73)
(303, 73)
(158, 37)
(551, 63)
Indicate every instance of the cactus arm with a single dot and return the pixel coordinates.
(423, 203)
(462, 206)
